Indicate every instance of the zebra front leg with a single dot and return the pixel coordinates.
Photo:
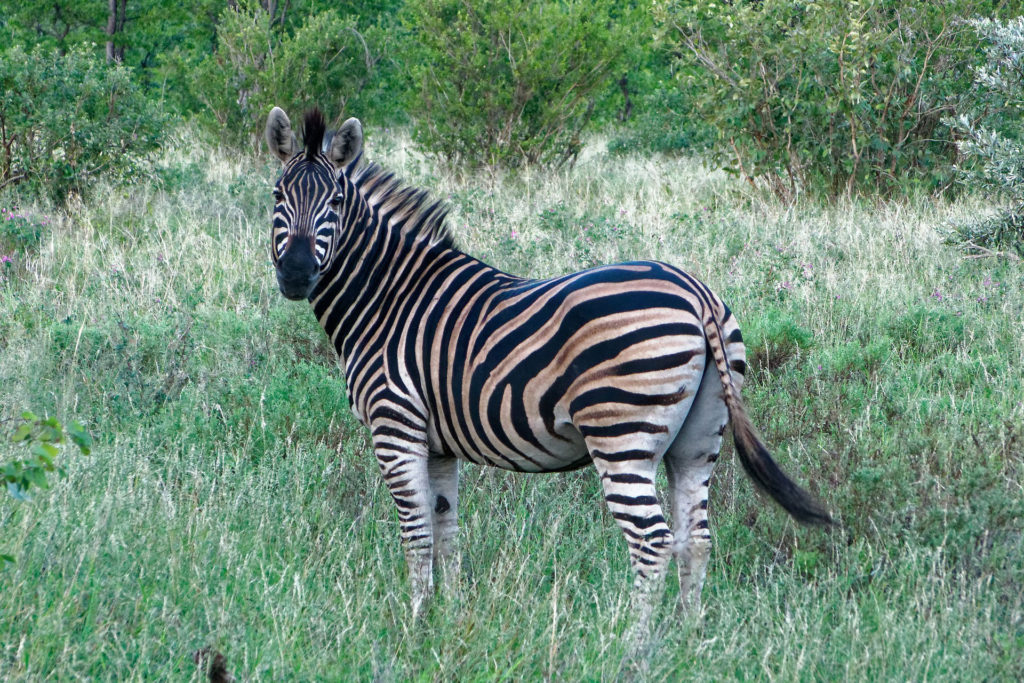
(444, 486)
(404, 462)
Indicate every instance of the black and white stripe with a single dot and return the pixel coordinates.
(446, 358)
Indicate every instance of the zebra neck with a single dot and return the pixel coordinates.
(345, 295)
(368, 303)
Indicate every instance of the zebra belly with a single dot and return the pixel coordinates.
(568, 452)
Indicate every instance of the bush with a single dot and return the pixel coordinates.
(993, 135)
(69, 119)
(510, 81)
(19, 232)
(327, 61)
(831, 97)
(661, 121)
(651, 112)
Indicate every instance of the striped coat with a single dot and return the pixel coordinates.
(447, 358)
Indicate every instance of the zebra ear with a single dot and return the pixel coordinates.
(280, 137)
(347, 143)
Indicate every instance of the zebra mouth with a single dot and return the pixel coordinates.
(296, 287)
(297, 272)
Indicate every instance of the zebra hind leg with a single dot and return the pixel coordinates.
(444, 486)
(689, 462)
(632, 500)
(626, 442)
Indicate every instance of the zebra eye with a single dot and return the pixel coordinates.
(278, 195)
(335, 201)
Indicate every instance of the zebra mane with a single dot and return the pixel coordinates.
(402, 207)
(313, 129)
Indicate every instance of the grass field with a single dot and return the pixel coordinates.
(232, 502)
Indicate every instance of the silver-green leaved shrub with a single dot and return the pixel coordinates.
(508, 82)
(993, 135)
(330, 59)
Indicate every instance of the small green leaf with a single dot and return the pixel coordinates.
(22, 433)
(37, 477)
(45, 450)
(28, 415)
(51, 434)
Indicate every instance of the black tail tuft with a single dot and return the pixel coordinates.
(756, 459)
(758, 463)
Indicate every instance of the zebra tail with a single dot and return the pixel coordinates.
(754, 455)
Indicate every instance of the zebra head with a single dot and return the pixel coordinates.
(308, 198)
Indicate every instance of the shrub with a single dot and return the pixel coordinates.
(69, 119)
(830, 97)
(993, 135)
(19, 232)
(510, 81)
(662, 122)
(328, 60)
(652, 112)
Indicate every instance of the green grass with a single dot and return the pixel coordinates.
(232, 501)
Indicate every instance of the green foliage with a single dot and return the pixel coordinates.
(661, 117)
(20, 232)
(993, 135)
(162, 41)
(43, 436)
(329, 60)
(20, 235)
(773, 339)
(68, 120)
(831, 97)
(510, 81)
(662, 121)
(55, 24)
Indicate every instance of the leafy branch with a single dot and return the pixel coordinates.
(44, 437)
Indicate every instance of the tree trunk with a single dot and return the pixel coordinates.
(111, 28)
(115, 24)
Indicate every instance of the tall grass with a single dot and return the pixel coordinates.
(232, 501)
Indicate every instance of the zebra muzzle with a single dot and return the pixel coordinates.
(297, 272)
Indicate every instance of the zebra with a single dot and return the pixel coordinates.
(447, 359)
